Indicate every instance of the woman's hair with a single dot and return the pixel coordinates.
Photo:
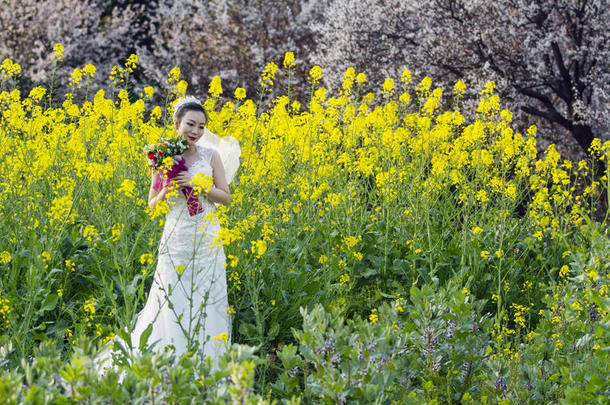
(188, 103)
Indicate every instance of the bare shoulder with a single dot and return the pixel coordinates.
(215, 158)
(206, 152)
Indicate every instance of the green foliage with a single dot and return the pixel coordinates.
(150, 378)
(432, 347)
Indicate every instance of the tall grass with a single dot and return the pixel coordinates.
(349, 201)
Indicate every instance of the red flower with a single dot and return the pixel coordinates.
(152, 156)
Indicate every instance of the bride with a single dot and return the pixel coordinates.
(187, 304)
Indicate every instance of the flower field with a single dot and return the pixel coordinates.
(384, 247)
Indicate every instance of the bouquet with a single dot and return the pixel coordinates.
(158, 155)
(166, 147)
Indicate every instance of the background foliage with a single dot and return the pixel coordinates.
(390, 247)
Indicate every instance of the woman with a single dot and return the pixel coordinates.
(187, 304)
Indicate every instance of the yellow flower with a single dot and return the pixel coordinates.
(58, 52)
(90, 233)
(9, 68)
(89, 306)
(484, 254)
(268, 76)
(181, 87)
(180, 268)
(46, 256)
(240, 93)
(234, 279)
(232, 260)
(398, 304)
(116, 231)
(315, 74)
(388, 86)
(482, 196)
(202, 183)
(5, 257)
(373, 317)
(361, 78)
(288, 60)
(476, 230)
(174, 75)
(350, 74)
(146, 258)
(89, 70)
(424, 86)
(127, 187)
(592, 274)
(351, 241)
(76, 76)
(70, 265)
(61, 211)
(489, 88)
(37, 93)
(215, 87)
(405, 77)
(344, 279)
(131, 61)
(221, 338)
(368, 98)
(459, 88)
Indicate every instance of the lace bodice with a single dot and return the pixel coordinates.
(203, 164)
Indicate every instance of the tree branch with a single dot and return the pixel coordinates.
(552, 116)
(564, 90)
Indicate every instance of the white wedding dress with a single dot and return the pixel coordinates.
(187, 306)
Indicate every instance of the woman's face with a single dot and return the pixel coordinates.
(191, 126)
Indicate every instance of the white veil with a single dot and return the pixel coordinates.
(228, 149)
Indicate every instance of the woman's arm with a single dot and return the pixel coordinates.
(219, 192)
(154, 195)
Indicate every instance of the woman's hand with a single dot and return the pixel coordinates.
(184, 179)
(158, 188)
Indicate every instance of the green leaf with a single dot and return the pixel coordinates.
(49, 303)
(273, 331)
(369, 273)
(247, 330)
(144, 338)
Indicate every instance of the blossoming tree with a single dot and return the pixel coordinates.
(550, 58)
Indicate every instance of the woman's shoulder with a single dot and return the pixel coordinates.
(205, 152)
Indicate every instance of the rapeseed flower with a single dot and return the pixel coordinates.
(215, 88)
(289, 60)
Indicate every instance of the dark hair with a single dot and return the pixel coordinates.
(191, 106)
